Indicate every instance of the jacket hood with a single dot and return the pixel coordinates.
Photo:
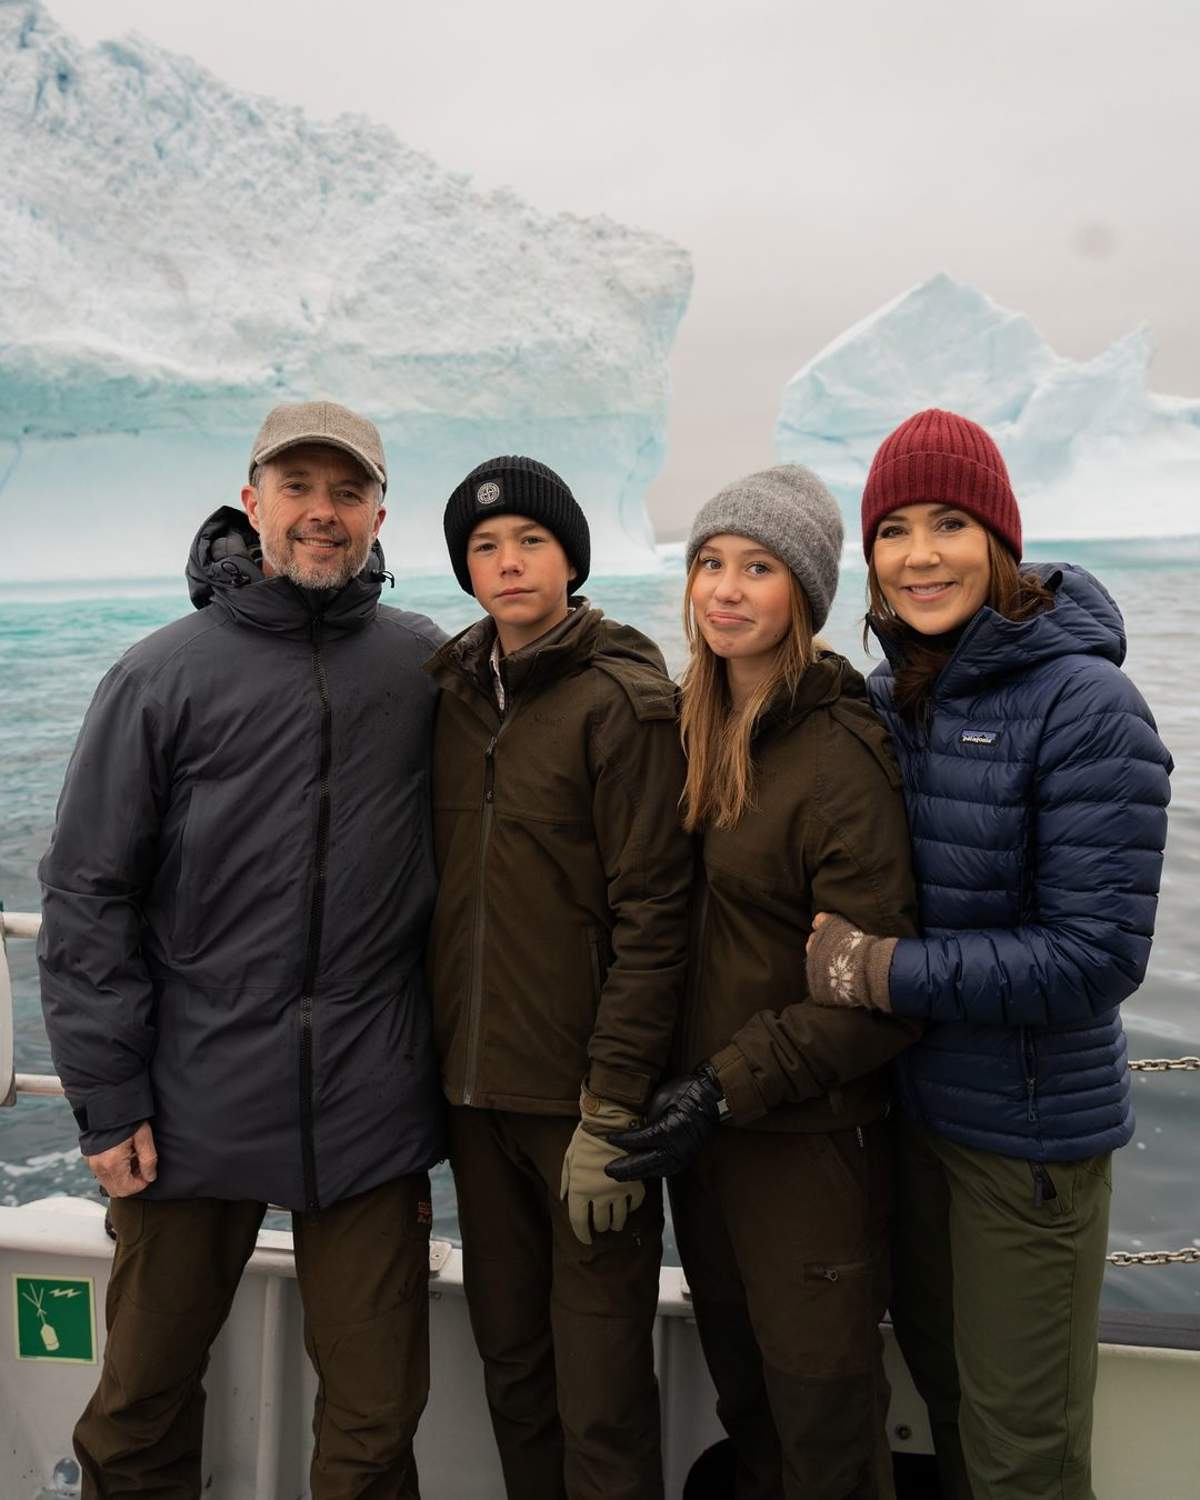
(626, 644)
(1085, 621)
(827, 679)
(224, 567)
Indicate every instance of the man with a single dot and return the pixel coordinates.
(556, 963)
(235, 903)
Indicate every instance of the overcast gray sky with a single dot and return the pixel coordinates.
(816, 159)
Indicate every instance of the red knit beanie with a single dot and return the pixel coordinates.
(938, 457)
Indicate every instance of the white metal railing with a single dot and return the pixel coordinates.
(17, 924)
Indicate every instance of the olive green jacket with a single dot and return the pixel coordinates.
(827, 832)
(559, 940)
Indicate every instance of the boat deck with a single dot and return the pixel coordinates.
(261, 1387)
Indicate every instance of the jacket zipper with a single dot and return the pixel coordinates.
(316, 916)
(475, 997)
(691, 1008)
(597, 975)
(1030, 1054)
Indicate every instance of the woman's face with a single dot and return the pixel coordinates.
(742, 598)
(933, 566)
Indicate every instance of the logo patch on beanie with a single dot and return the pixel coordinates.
(488, 492)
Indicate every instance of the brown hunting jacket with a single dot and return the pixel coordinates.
(827, 832)
(559, 940)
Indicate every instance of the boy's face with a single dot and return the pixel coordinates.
(520, 574)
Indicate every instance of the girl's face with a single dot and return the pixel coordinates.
(933, 566)
(741, 597)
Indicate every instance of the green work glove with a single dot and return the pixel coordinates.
(594, 1200)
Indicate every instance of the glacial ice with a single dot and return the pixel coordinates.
(1091, 451)
(177, 257)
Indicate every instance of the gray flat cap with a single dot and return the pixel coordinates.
(321, 422)
(789, 511)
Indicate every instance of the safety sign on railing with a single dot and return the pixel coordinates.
(55, 1318)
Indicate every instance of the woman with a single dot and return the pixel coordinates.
(1037, 790)
(780, 1215)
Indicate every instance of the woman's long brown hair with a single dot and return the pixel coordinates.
(719, 787)
(1011, 593)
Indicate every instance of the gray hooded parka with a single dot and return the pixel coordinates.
(237, 893)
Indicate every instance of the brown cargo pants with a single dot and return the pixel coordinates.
(997, 1311)
(783, 1238)
(363, 1269)
(565, 1330)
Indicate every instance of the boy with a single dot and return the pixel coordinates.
(556, 962)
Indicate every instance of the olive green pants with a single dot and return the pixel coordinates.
(363, 1269)
(565, 1330)
(783, 1238)
(997, 1307)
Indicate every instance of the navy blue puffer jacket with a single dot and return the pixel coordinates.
(1037, 794)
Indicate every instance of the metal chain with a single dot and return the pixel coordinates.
(1188, 1257)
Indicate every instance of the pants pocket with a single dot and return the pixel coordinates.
(1099, 1166)
(858, 1163)
(417, 1228)
(128, 1219)
(841, 1306)
(1061, 1187)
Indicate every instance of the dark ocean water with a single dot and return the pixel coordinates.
(56, 641)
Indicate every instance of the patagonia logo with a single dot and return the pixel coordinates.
(979, 737)
(488, 492)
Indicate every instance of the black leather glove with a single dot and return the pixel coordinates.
(683, 1113)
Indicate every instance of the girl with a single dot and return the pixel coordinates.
(1037, 790)
(780, 1215)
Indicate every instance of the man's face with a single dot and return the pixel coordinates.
(316, 511)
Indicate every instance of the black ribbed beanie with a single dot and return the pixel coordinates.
(520, 487)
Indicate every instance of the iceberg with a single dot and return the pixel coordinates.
(178, 257)
(1092, 452)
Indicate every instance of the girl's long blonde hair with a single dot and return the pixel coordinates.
(719, 787)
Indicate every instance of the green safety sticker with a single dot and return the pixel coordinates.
(55, 1319)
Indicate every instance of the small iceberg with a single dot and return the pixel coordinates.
(1092, 451)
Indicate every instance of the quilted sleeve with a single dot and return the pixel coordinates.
(1101, 788)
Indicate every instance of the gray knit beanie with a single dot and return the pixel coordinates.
(792, 514)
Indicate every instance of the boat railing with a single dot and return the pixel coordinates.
(17, 924)
(23, 924)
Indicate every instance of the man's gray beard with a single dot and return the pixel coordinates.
(353, 562)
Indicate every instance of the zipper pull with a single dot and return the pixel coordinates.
(1031, 1092)
(489, 770)
(1043, 1185)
